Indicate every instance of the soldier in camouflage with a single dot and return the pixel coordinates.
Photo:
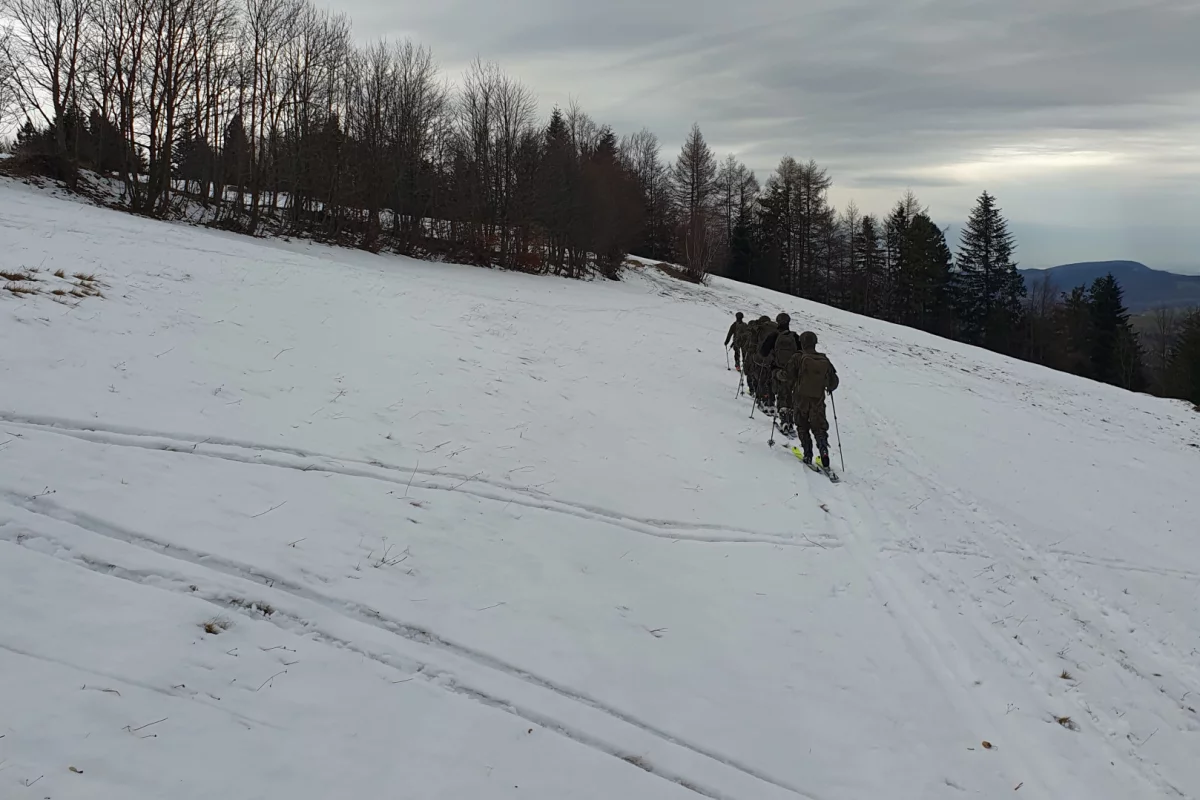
(778, 349)
(807, 377)
(736, 334)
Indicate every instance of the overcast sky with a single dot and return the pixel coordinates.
(1081, 116)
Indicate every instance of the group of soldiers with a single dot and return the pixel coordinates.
(786, 376)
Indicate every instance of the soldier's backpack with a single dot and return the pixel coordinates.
(787, 344)
(815, 375)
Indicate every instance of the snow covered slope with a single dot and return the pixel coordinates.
(285, 521)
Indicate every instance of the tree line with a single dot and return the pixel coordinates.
(268, 116)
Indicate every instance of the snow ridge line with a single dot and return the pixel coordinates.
(307, 461)
(357, 612)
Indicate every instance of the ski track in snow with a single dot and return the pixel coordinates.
(367, 616)
(1030, 564)
(377, 470)
(927, 601)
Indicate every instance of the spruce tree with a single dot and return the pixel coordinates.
(869, 261)
(1074, 328)
(559, 208)
(989, 287)
(1183, 366)
(1115, 354)
(924, 277)
(741, 248)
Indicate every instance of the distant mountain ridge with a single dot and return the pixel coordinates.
(1145, 288)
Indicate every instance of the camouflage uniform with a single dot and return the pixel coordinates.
(736, 333)
(761, 366)
(808, 376)
(753, 334)
(777, 349)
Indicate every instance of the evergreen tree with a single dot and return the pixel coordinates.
(1075, 332)
(899, 279)
(190, 154)
(612, 205)
(989, 288)
(1113, 349)
(869, 260)
(923, 277)
(559, 213)
(741, 248)
(1183, 369)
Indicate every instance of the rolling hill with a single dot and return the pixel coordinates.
(281, 520)
(1145, 288)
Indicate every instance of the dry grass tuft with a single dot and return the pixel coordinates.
(28, 276)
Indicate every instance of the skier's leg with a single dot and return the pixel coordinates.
(820, 427)
(783, 402)
(803, 429)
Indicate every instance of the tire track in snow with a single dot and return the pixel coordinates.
(418, 635)
(308, 461)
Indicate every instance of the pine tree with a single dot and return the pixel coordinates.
(559, 211)
(989, 287)
(1183, 366)
(923, 278)
(899, 276)
(1075, 332)
(869, 261)
(1116, 356)
(741, 248)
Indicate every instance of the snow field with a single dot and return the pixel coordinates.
(462, 533)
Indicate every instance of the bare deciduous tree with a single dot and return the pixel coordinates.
(46, 45)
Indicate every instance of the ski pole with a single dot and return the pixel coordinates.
(741, 380)
(771, 441)
(726, 358)
(838, 431)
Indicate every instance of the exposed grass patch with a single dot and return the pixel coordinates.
(679, 273)
(264, 608)
(217, 625)
(28, 276)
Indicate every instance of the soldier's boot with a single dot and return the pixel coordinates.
(823, 450)
(806, 445)
(786, 426)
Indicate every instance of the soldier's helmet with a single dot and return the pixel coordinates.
(783, 320)
(808, 340)
(739, 315)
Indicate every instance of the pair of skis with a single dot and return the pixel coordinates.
(818, 465)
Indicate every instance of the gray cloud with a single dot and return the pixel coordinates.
(1060, 107)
